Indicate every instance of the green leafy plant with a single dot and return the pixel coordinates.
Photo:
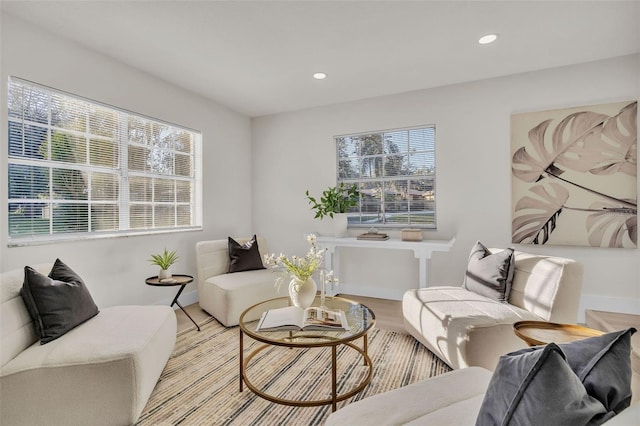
(164, 260)
(336, 199)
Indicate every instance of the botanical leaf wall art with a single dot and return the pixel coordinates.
(574, 176)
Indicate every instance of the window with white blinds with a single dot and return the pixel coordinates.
(395, 172)
(78, 168)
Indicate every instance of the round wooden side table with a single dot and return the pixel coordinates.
(541, 332)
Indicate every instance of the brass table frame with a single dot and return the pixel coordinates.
(297, 341)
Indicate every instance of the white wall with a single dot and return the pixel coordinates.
(295, 151)
(114, 269)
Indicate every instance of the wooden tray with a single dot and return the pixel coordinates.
(541, 332)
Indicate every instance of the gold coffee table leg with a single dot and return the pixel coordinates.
(334, 377)
(335, 398)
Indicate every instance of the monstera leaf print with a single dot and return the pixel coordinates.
(538, 214)
(600, 144)
(582, 142)
(610, 223)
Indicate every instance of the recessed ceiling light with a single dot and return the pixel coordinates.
(489, 38)
(320, 76)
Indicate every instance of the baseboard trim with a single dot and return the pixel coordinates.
(624, 305)
(377, 292)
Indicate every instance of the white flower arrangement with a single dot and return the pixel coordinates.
(301, 268)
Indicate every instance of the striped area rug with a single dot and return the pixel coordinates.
(199, 385)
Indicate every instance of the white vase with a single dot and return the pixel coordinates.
(164, 274)
(333, 227)
(302, 293)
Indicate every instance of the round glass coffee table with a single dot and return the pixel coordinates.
(360, 320)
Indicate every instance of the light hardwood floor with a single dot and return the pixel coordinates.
(388, 313)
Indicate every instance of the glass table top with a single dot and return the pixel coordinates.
(359, 317)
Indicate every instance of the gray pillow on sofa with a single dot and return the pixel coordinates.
(538, 388)
(490, 274)
(56, 303)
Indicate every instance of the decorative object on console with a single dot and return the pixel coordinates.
(56, 303)
(374, 235)
(302, 288)
(563, 161)
(335, 202)
(409, 234)
(164, 261)
(244, 257)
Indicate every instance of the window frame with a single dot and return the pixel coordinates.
(120, 171)
(355, 215)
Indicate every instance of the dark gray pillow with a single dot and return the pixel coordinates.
(490, 274)
(603, 365)
(244, 257)
(57, 303)
(538, 388)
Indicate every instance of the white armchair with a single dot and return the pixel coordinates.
(465, 329)
(226, 295)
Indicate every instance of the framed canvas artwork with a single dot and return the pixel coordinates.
(574, 176)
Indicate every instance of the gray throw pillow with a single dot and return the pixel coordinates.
(538, 388)
(56, 303)
(244, 257)
(490, 274)
(603, 365)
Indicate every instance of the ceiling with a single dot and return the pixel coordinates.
(258, 57)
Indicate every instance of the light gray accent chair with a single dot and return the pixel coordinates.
(101, 373)
(226, 295)
(465, 329)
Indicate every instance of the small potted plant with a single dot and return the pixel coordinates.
(164, 261)
(334, 203)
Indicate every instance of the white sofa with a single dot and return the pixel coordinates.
(101, 373)
(226, 295)
(465, 329)
(451, 399)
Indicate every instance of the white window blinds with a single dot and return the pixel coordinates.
(79, 168)
(395, 172)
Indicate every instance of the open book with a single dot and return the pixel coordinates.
(295, 318)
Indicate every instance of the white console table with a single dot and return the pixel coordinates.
(421, 249)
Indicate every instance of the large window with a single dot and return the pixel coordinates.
(395, 172)
(78, 168)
